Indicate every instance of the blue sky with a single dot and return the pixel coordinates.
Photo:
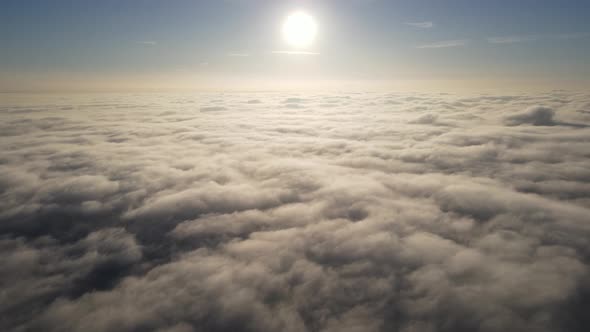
(181, 42)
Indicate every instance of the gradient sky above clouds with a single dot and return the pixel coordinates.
(183, 43)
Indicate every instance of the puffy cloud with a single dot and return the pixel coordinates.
(537, 116)
(37, 272)
(295, 212)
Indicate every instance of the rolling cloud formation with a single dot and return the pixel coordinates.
(308, 212)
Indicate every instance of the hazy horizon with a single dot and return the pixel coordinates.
(149, 45)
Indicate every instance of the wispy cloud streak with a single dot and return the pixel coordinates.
(511, 39)
(243, 55)
(445, 44)
(529, 38)
(295, 52)
(422, 25)
(147, 42)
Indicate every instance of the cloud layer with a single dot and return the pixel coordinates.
(295, 212)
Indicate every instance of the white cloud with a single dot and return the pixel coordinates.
(295, 52)
(295, 212)
(573, 35)
(238, 54)
(445, 44)
(512, 39)
(530, 38)
(422, 25)
(538, 116)
(147, 42)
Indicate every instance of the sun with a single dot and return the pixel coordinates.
(299, 30)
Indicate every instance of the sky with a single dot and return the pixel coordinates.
(150, 44)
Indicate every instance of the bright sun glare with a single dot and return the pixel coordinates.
(299, 30)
